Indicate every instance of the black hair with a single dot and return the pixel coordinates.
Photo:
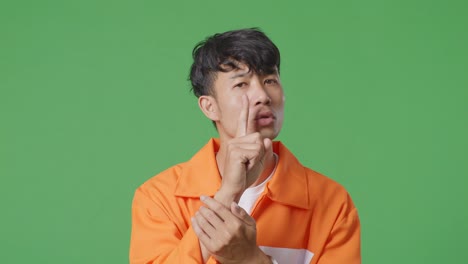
(224, 51)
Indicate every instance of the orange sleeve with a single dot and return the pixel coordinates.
(344, 243)
(156, 239)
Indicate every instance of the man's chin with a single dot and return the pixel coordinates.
(268, 133)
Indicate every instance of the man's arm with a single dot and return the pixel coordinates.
(156, 239)
(225, 230)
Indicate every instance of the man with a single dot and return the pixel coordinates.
(242, 198)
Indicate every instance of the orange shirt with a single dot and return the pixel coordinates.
(302, 216)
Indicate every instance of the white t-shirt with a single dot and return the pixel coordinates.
(251, 195)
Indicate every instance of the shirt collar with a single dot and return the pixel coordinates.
(289, 185)
(200, 175)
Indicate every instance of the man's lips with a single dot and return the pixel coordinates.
(265, 114)
(265, 118)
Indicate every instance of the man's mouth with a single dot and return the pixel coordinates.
(265, 118)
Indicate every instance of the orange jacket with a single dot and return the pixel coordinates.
(302, 216)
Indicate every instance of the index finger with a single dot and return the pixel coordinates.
(243, 117)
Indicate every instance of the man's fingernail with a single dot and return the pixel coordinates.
(203, 198)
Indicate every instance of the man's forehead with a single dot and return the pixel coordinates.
(238, 73)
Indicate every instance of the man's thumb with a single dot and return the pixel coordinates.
(268, 146)
(240, 213)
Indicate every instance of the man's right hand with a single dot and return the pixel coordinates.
(245, 157)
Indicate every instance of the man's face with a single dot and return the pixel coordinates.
(265, 102)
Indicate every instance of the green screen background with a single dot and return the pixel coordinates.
(94, 100)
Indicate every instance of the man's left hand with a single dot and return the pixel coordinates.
(228, 234)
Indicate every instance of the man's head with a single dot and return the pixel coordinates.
(223, 52)
(230, 66)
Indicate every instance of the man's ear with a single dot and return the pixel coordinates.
(209, 107)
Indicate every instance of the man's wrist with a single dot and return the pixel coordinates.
(227, 196)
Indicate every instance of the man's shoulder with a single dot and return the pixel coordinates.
(321, 181)
(325, 190)
(164, 181)
(197, 176)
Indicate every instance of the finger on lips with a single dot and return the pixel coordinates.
(243, 118)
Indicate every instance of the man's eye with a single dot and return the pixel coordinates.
(271, 81)
(240, 85)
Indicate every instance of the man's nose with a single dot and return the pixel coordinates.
(259, 94)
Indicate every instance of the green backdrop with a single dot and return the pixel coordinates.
(94, 100)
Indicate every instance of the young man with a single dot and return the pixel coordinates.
(242, 198)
